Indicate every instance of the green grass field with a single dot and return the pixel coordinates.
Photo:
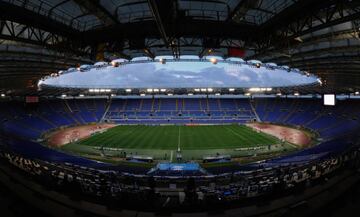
(182, 137)
(162, 142)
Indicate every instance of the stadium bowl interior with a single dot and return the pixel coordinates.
(179, 108)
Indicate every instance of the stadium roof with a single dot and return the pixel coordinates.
(180, 74)
(40, 37)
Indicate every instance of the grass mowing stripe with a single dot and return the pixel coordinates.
(179, 139)
(184, 137)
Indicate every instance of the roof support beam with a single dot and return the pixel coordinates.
(21, 15)
(153, 5)
(94, 7)
(241, 8)
(57, 5)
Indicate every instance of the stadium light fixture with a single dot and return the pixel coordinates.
(115, 64)
(149, 90)
(63, 95)
(156, 90)
(296, 94)
(254, 89)
(278, 94)
(217, 94)
(112, 95)
(170, 94)
(203, 89)
(142, 94)
(231, 89)
(357, 93)
(213, 60)
(197, 90)
(3, 95)
(81, 95)
(128, 90)
(259, 89)
(210, 90)
(162, 61)
(190, 94)
(163, 90)
(247, 94)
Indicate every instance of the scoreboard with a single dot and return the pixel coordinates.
(32, 99)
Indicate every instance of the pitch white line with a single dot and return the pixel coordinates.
(235, 133)
(171, 156)
(179, 140)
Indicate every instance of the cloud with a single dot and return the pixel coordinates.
(180, 75)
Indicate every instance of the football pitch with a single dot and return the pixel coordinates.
(162, 142)
(180, 137)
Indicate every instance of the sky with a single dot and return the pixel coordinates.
(180, 75)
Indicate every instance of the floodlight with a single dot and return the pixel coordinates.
(115, 64)
(213, 60)
(162, 61)
(254, 89)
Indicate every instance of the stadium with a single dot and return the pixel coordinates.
(179, 108)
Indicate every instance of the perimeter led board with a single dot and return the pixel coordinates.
(329, 99)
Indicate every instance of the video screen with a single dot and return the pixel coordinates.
(329, 99)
